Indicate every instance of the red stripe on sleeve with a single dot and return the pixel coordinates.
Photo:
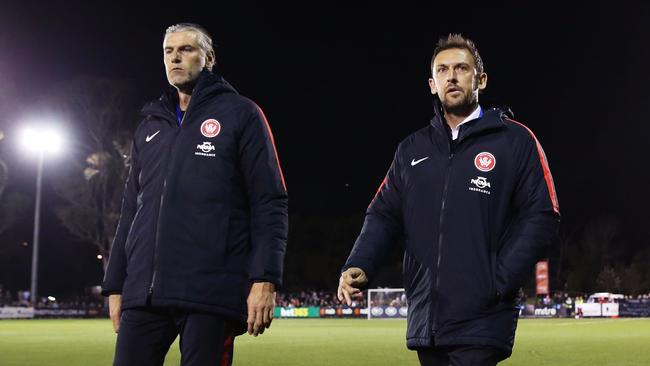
(547, 171)
(383, 183)
(268, 128)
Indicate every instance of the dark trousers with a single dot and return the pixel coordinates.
(461, 356)
(147, 333)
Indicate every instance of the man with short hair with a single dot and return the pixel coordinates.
(473, 198)
(200, 243)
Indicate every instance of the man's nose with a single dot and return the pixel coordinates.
(176, 57)
(451, 75)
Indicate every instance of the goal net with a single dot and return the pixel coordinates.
(387, 303)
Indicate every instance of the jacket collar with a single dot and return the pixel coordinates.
(208, 85)
(492, 119)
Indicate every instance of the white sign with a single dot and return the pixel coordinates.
(11, 312)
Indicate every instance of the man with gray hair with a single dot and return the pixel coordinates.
(200, 243)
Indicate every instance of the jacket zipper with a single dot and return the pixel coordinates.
(160, 207)
(440, 234)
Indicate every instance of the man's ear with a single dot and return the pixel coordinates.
(432, 86)
(482, 81)
(210, 60)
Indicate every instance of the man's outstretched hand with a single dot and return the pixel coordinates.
(349, 283)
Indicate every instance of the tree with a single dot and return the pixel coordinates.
(632, 279)
(99, 108)
(636, 276)
(608, 280)
(13, 205)
(590, 255)
(4, 176)
(5, 97)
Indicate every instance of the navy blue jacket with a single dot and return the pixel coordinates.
(475, 214)
(204, 212)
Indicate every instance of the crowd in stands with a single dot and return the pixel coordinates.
(22, 299)
(329, 299)
(294, 299)
(315, 298)
(562, 298)
(301, 299)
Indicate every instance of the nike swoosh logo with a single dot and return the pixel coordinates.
(149, 138)
(416, 162)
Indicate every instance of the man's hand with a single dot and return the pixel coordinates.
(115, 310)
(349, 283)
(261, 303)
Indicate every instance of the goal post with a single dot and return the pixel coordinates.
(387, 303)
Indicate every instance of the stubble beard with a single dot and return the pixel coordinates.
(186, 85)
(464, 106)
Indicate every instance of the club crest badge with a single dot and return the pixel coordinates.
(210, 128)
(485, 161)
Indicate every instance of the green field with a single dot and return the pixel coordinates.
(564, 342)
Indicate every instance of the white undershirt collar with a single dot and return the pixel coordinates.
(476, 114)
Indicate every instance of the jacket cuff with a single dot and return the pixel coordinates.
(275, 281)
(107, 293)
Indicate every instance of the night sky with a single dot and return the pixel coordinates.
(342, 86)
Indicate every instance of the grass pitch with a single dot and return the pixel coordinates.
(565, 342)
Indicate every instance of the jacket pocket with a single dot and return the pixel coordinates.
(132, 237)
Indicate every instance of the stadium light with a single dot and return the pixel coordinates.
(99, 256)
(41, 140)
